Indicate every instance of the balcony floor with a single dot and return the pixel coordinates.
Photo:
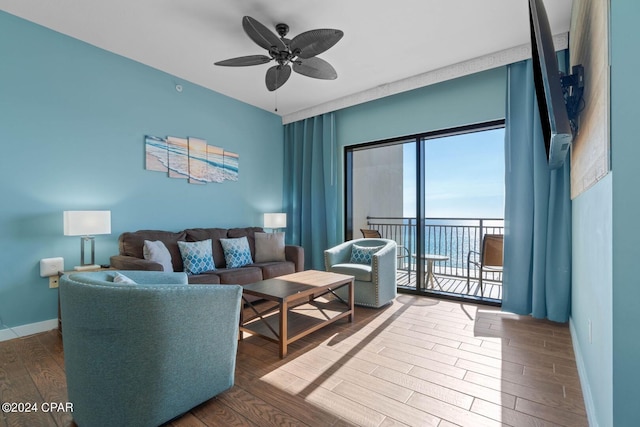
(453, 285)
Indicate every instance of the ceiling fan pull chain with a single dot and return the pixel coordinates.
(276, 91)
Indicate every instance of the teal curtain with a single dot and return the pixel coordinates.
(310, 188)
(537, 243)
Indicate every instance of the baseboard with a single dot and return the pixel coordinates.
(30, 329)
(582, 373)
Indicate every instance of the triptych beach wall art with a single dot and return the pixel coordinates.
(191, 159)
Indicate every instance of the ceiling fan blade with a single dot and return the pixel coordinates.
(244, 61)
(314, 42)
(277, 76)
(316, 68)
(261, 35)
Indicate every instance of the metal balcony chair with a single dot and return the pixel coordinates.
(370, 234)
(402, 253)
(488, 259)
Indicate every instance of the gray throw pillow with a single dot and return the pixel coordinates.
(156, 251)
(269, 247)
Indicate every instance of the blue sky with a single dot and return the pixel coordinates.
(464, 176)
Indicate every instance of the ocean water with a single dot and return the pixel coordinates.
(453, 238)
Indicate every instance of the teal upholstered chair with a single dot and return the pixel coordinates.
(142, 354)
(375, 283)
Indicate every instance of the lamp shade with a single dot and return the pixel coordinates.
(275, 220)
(87, 223)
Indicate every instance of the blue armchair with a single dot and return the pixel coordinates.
(141, 354)
(375, 283)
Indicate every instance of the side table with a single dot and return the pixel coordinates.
(429, 277)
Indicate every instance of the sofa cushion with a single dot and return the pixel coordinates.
(269, 247)
(196, 256)
(244, 275)
(361, 272)
(156, 251)
(215, 234)
(132, 244)
(208, 278)
(275, 269)
(236, 252)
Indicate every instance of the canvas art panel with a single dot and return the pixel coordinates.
(231, 162)
(198, 164)
(156, 157)
(190, 158)
(178, 150)
(215, 157)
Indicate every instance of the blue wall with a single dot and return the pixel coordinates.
(606, 288)
(591, 297)
(72, 124)
(466, 100)
(625, 94)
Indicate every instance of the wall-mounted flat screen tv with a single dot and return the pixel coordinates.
(556, 127)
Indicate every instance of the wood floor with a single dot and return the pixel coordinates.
(417, 362)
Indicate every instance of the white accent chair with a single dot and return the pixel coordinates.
(375, 284)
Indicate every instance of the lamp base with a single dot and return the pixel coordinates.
(86, 267)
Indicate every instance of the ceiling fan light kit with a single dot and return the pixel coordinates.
(298, 54)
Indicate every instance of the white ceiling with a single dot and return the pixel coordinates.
(384, 41)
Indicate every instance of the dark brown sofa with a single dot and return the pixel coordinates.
(131, 255)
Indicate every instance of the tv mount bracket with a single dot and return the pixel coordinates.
(572, 89)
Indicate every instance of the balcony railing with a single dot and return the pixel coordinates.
(452, 237)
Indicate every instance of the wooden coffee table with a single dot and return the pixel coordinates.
(299, 308)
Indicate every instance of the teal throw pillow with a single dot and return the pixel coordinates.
(236, 252)
(197, 257)
(363, 254)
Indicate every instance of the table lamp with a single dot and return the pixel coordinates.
(87, 224)
(275, 221)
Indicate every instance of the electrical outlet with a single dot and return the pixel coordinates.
(53, 281)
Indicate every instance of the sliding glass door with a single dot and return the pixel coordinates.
(436, 195)
(381, 196)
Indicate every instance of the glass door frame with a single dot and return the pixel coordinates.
(420, 141)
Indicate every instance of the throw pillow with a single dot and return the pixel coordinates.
(236, 252)
(156, 251)
(363, 254)
(197, 257)
(269, 247)
(121, 278)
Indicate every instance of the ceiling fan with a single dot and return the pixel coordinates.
(298, 53)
